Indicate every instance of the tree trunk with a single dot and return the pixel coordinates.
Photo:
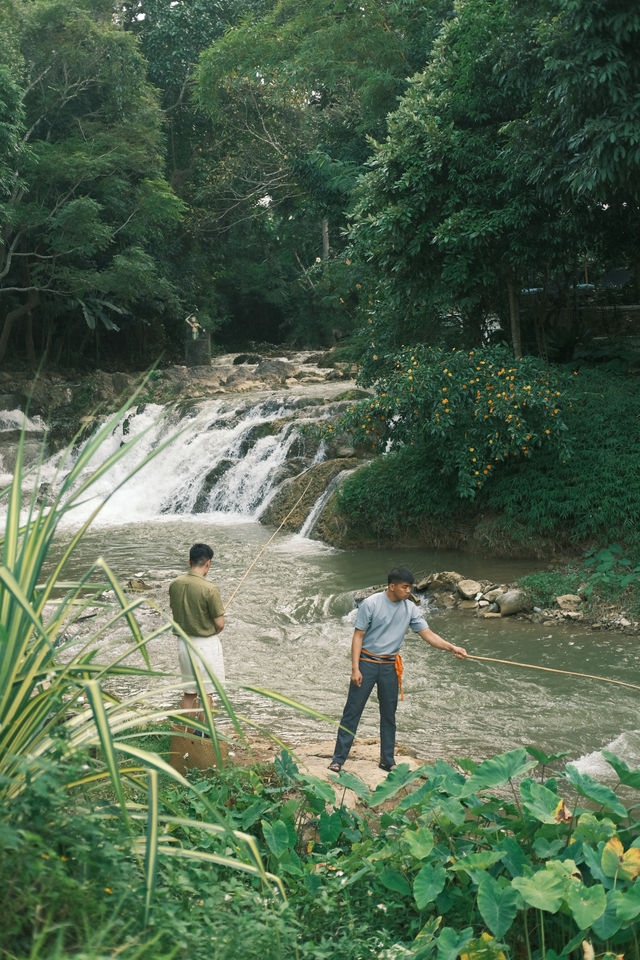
(11, 318)
(325, 238)
(514, 316)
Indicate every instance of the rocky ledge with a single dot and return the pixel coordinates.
(452, 591)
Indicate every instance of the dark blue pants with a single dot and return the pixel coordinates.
(384, 677)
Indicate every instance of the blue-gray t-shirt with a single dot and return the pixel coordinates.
(386, 622)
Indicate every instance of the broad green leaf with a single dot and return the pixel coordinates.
(350, 782)
(590, 788)
(630, 778)
(514, 857)
(399, 777)
(429, 882)
(497, 904)
(449, 808)
(476, 861)
(329, 827)
(593, 829)
(627, 903)
(545, 805)
(419, 842)
(546, 758)
(586, 903)
(543, 890)
(451, 943)
(321, 789)
(608, 923)
(396, 881)
(546, 849)
(276, 836)
(497, 771)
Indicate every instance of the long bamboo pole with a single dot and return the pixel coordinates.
(259, 554)
(569, 673)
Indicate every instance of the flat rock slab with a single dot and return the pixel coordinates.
(314, 759)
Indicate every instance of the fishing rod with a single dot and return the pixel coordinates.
(569, 673)
(259, 554)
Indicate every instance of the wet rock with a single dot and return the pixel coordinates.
(274, 371)
(568, 601)
(439, 582)
(306, 488)
(493, 594)
(513, 601)
(241, 379)
(137, 585)
(247, 358)
(211, 479)
(467, 604)
(469, 589)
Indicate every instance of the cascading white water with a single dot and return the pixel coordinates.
(224, 456)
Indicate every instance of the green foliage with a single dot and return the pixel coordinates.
(90, 211)
(468, 411)
(54, 711)
(545, 585)
(590, 496)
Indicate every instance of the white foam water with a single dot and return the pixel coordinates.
(626, 746)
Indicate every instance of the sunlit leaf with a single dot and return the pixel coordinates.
(543, 890)
(618, 863)
(419, 842)
(586, 903)
(497, 771)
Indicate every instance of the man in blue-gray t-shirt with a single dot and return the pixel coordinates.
(381, 623)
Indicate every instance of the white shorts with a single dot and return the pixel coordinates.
(205, 650)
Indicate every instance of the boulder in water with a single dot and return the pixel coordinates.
(513, 601)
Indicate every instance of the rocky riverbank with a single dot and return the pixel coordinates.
(451, 591)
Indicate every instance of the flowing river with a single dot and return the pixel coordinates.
(289, 627)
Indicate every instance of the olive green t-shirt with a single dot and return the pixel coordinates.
(195, 604)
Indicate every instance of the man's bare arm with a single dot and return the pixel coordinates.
(437, 641)
(219, 624)
(356, 649)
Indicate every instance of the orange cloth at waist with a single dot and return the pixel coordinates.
(394, 658)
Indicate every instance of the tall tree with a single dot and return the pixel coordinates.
(451, 228)
(89, 211)
(293, 96)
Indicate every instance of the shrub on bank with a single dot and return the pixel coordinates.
(590, 494)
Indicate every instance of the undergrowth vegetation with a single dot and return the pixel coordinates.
(509, 858)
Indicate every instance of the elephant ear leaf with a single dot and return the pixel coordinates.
(627, 776)
(497, 905)
(592, 790)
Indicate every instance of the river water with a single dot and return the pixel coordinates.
(289, 628)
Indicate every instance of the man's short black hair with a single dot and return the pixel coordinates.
(400, 575)
(199, 554)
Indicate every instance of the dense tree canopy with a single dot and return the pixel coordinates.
(462, 209)
(161, 157)
(89, 212)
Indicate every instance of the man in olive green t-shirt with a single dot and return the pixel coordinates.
(197, 608)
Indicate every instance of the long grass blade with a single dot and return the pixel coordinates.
(151, 853)
(94, 696)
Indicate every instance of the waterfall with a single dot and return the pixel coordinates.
(307, 527)
(226, 456)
